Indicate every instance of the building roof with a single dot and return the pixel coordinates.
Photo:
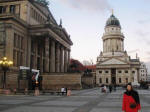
(92, 67)
(134, 60)
(113, 21)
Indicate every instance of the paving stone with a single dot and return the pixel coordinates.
(40, 109)
(7, 102)
(62, 103)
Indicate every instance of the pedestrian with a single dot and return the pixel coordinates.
(110, 88)
(62, 90)
(105, 88)
(131, 101)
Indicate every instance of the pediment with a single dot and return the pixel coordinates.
(113, 61)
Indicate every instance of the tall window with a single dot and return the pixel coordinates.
(126, 80)
(12, 9)
(119, 80)
(106, 80)
(18, 52)
(2, 9)
(100, 80)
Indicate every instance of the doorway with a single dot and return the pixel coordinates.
(113, 76)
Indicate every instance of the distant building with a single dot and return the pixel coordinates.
(91, 67)
(148, 77)
(143, 73)
(114, 65)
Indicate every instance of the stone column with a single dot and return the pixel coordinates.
(57, 57)
(46, 64)
(65, 60)
(68, 58)
(41, 59)
(49, 55)
(62, 59)
(52, 68)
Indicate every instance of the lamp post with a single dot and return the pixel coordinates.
(5, 64)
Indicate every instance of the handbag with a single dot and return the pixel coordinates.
(133, 105)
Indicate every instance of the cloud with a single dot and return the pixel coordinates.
(88, 5)
(134, 51)
(143, 36)
(144, 21)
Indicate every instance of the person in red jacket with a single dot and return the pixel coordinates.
(131, 101)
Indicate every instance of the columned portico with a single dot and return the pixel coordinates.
(33, 40)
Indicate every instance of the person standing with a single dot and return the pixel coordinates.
(131, 101)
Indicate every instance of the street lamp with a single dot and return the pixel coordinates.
(5, 64)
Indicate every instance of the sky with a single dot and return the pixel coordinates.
(85, 20)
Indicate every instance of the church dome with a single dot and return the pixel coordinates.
(113, 21)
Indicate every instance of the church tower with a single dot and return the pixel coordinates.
(113, 38)
(114, 66)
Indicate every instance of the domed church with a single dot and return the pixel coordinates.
(114, 66)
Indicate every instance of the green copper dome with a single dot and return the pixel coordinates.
(113, 21)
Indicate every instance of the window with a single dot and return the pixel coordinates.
(126, 80)
(126, 71)
(133, 71)
(106, 80)
(100, 80)
(119, 71)
(106, 72)
(2, 9)
(100, 71)
(12, 9)
(119, 80)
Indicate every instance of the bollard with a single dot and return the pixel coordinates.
(69, 93)
(37, 93)
(26, 91)
(7, 91)
(15, 91)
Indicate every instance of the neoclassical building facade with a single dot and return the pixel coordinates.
(30, 37)
(114, 66)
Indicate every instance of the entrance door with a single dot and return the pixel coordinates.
(113, 75)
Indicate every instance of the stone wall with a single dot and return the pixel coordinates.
(88, 80)
(11, 79)
(55, 82)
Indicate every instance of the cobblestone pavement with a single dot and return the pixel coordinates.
(91, 100)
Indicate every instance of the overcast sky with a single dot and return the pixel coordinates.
(85, 20)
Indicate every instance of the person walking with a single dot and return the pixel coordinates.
(131, 101)
(105, 89)
(110, 88)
